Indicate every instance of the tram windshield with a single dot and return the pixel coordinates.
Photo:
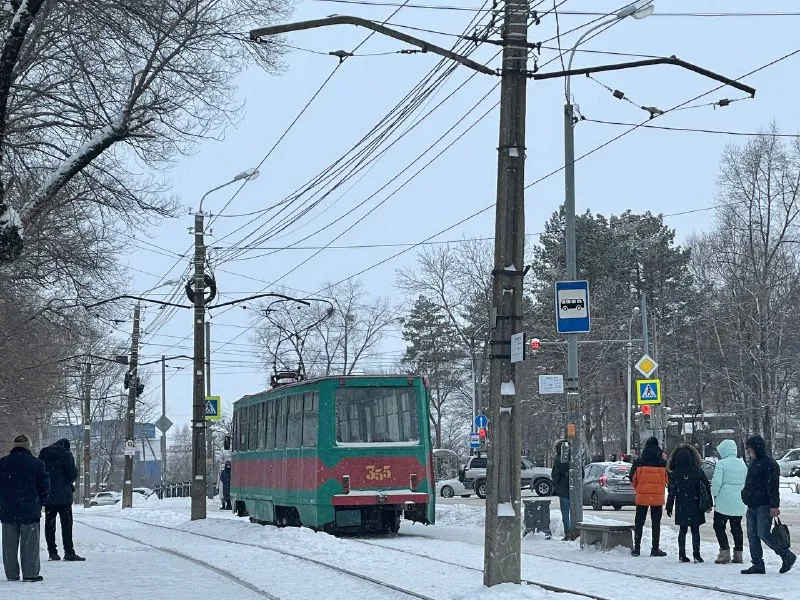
(374, 415)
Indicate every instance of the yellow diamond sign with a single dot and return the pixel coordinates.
(646, 366)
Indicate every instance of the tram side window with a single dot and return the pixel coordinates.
(261, 420)
(376, 415)
(252, 442)
(242, 429)
(294, 433)
(310, 419)
(235, 431)
(272, 415)
(280, 431)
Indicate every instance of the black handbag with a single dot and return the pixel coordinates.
(780, 533)
(705, 498)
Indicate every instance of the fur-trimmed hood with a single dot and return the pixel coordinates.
(683, 457)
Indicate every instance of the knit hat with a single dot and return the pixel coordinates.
(651, 442)
(21, 441)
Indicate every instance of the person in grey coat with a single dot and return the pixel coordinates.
(24, 487)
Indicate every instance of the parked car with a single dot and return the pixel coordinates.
(708, 465)
(608, 484)
(105, 498)
(447, 488)
(790, 462)
(473, 476)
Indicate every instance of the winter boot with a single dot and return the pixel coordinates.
(657, 552)
(683, 558)
(788, 563)
(54, 555)
(72, 557)
(724, 557)
(737, 557)
(698, 558)
(754, 570)
(636, 551)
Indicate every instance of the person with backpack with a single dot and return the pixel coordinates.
(727, 483)
(649, 479)
(689, 496)
(761, 494)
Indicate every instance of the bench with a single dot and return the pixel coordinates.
(606, 536)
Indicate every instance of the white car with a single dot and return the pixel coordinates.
(447, 488)
(790, 462)
(105, 498)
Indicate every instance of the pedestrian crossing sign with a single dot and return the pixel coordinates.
(213, 408)
(648, 391)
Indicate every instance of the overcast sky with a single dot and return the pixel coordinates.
(661, 171)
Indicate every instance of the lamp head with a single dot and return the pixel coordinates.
(249, 175)
(638, 10)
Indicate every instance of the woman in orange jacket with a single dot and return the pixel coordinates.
(649, 479)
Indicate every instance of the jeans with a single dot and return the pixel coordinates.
(51, 512)
(759, 529)
(22, 538)
(655, 520)
(720, 521)
(695, 540)
(564, 504)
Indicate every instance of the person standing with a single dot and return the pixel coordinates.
(761, 494)
(24, 486)
(61, 466)
(727, 483)
(649, 478)
(560, 476)
(690, 495)
(225, 479)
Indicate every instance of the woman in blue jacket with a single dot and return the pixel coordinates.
(726, 488)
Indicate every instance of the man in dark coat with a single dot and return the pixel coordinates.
(688, 485)
(560, 477)
(761, 494)
(24, 486)
(61, 467)
(225, 478)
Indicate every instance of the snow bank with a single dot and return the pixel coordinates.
(509, 591)
(595, 520)
(789, 498)
(460, 514)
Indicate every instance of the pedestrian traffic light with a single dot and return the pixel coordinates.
(482, 432)
(646, 411)
(535, 343)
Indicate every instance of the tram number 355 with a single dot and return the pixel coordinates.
(378, 473)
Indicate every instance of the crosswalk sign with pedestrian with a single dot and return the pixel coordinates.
(648, 391)
(213, 408)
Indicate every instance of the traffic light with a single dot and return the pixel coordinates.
(647, 413)
(535, 344)
(646, 410)
(482, 432)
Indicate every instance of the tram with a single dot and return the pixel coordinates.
(337, 454)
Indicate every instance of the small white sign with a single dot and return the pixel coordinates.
(551, 384)
(518, 347)
(130, 449)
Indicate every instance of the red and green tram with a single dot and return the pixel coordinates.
(338, 454)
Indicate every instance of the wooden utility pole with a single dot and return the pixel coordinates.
(130, 417)
(87, 433)
(503, 505)
(163, 414)
(198, 397)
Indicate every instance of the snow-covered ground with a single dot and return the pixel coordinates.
(154, 550)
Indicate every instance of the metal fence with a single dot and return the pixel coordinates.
(174, 490)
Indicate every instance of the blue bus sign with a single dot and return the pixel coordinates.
(572, 307)
(474, 440)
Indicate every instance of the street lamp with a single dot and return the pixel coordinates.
(634, 313)
(638, 10)
(198, 392)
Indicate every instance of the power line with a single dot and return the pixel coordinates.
(694, 130)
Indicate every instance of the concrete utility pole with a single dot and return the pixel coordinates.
(198, 397)
(163, 414)
(130, 421)
(503, 506)
(87, 433)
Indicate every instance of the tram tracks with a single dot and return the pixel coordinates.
(616, 572)
(385, 586)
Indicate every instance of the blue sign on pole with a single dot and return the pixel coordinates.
(572, 307)
(474, 440)
(481, 421)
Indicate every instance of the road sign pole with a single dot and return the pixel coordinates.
(629, 419)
